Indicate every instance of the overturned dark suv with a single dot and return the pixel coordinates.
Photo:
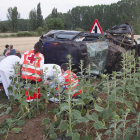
(101, 51)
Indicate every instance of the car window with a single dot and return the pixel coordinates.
(79, 38)
(138, 39)
(65, 36)
(51, 35)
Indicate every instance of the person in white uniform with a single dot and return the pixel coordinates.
(7, 70)
(51, 71)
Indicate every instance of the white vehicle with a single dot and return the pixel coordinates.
(138, 40)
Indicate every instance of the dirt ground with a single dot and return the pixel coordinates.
(20, 43)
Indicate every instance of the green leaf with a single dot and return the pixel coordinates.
(1, 105)
(87, 137)
(18, 96)
(106, 113)
(111, 97)
(75, 136)
(20, 85)
(20, 122)
(8, 110)
(33, 90)
(82, 119)
(118, 132)
(83, 111)
(45, 121)
(75, 114)
(52, 129)
(121, 125)
(64, 107)
(108, 132)
(23, 102)
(63, 125)
(95, 117)
(52, 136)
(17, 130)
(78, 102)
(119, 99)
(136, 137)
(89, 117)
(68, 134)
(9, 121)
(112, 125)
(54, 111)
(99, 125)
(2, 113)
(134, 124)
(98, 108)
(129, 104)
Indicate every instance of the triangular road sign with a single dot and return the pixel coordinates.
(96, 28)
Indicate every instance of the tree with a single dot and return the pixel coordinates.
(3, 27)
(23, 24)
(39, 17)
(32, 20)
(54, 13)
(55, 23)
(13, 17)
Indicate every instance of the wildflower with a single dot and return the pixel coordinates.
(136, 105)
(99, 100)
(55, 118)
(47, 101)
(127, 110)
(117, 117)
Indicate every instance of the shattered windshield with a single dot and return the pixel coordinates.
(97, 55)
(65, 36)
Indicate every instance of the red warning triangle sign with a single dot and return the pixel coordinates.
(96, 28)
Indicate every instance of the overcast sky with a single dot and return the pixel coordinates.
(25, 6)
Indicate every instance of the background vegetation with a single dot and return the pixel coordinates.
(78, 17)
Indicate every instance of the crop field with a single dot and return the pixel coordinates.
(108, 108)
(20, 43)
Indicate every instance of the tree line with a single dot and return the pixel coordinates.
(78, 18)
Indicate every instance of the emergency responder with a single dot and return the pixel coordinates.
(32, 67)
(7, 70)
(67, 77)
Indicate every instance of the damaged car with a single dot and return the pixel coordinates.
(101, 51)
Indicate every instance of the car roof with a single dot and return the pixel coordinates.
(61, 31)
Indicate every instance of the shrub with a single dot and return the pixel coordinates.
(39, 30)
(26, 34)
(79, 29)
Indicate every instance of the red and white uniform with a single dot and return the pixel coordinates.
(70, 78)
(31, 68)
(31, 65)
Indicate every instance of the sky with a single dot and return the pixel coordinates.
(63, 6)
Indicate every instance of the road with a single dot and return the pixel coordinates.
(2, 57)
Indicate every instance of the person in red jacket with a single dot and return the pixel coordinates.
(67, 77)
(32, 67)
